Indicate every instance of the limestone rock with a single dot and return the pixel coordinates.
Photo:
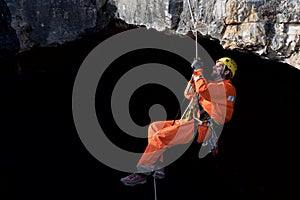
(268, 28)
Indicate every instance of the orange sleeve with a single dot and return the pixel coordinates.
(201, 84)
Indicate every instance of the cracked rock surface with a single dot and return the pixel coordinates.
(268, 28)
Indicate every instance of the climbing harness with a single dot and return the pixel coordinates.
(205, 120)
(211, 142)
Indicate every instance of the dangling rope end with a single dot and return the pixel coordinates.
(154, 182)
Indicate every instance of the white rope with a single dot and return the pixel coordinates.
(187, 108)
(190, 101)
(154, 182)
(195, 21)
(191, 12)
(194, 26)
(196, 40)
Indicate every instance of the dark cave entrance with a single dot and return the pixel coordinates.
(259, 149)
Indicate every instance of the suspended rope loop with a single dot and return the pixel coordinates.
(187, 108)
(191, 101)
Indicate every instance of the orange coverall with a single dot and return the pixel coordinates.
(217, 99)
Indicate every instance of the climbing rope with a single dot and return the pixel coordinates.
(154, 182)
(191, 12)
(187, 108)
(194, 21)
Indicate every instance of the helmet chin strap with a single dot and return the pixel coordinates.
(223, 71)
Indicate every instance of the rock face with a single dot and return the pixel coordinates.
(268, 28)
(9, 42)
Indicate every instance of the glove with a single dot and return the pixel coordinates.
(192, 82)
(196, 64)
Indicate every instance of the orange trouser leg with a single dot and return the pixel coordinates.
(162, 135)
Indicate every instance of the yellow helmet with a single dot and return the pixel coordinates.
(231, 64)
